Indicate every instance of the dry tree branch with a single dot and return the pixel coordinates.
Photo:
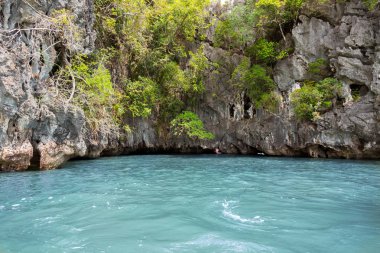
(73, 87)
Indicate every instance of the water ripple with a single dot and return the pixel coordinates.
(200, 204)
(228, 213)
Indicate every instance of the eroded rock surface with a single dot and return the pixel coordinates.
(38, 128)
(348, 37)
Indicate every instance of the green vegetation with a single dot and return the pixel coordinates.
(63, 23)
(189, 123)
(148, 44)
(198, 64)
(140, 97)
(315, 98)
(158, 66)
(91, 88)
(319, 69)
(271, 12)
(355, 95)
(371, 4)
(173, 22)
(258, 22)
(235, 30)
(254, 20)
(266, 52)
(259, 85)
(276, 13)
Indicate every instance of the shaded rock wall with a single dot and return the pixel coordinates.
(38, 128)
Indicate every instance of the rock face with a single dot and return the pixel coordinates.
(348, 37)
(38, 128)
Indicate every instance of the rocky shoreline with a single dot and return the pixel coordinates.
(38, 129)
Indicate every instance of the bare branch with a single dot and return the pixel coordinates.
(73, 88)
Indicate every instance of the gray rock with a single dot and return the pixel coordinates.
(290, 70)
(38, 128)
(362, 33)
(309, 37)
(353, 70)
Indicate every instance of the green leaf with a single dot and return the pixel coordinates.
(188, 123)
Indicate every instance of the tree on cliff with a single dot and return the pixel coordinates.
(277, 12)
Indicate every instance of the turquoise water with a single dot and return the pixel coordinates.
(193, 204)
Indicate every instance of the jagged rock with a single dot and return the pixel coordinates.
(16, 157)
(290, 70)
(375, 85)
(38, 128)
(350, 131)
(309, 37)
(361, 33)
(356, 8)
(353, 70)
(331, 10)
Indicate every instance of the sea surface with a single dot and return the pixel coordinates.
(205, 203)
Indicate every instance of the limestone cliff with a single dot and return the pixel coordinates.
(347, 35)
(39, 128)
(36, 126)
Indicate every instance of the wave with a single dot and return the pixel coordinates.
(228, 213)
(217, 243)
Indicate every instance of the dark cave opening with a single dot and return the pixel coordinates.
(247, 108)
(358, 91)
(232, 111)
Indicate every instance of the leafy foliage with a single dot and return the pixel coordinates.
(198, 64)
(140, 97)
(254, 20)
(149, 46)
(266, 52)
(156, 69)
(259, 85)
(175, 21)
(64, 22)
(371, 4)
(292, 9)
(92, 88)
(314, 98)
(319, 67)
(188, 123)
(271, 12)
(235, 30)
(278, 11)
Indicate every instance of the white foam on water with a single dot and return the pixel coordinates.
(77, 247)
(228, 213)
(213, 240)
(74, 229)
(15, 206)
